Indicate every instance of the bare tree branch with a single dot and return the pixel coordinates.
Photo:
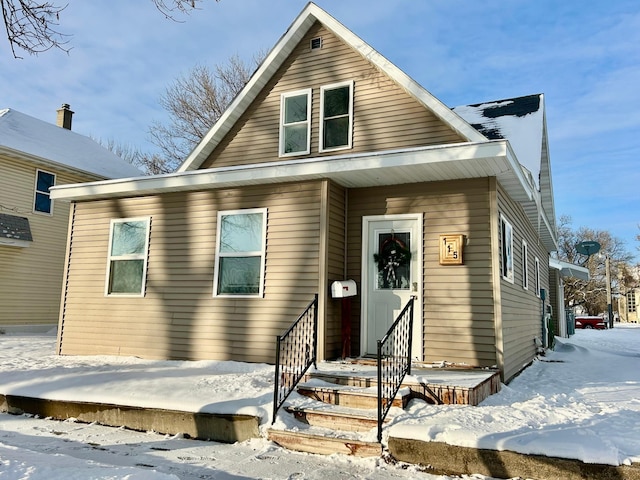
(31, 25)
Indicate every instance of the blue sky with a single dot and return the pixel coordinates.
(585, 58)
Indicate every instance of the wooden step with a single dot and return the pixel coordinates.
(335, 419)
(348, 396)
(311, 443)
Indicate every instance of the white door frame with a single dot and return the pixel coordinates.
(417, 335)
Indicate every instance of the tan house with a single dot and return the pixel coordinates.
(629, 306)
(330, 165)
(34, 156)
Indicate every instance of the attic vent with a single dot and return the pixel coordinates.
(316, 43)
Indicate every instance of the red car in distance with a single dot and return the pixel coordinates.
(598, 323)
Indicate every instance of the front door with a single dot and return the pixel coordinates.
(391, 274)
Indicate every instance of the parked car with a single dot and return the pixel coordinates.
(591, 322)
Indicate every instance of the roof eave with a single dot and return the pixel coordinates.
(433, 163)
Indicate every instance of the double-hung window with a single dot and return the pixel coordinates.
(537, 275)
(127, 263)
(295, 123)
(240, 248)
(336, 116)
(506, 249)
(42, 200)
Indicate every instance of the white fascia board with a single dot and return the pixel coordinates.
(300, 170)
(569, 269)
(13, 242)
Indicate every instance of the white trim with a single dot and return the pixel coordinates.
(429, 163)
(525, 265)
(569, 269)
(283, 97)
(417, 347)
(323, 89)
(13, 242)
(144, 257)
(261, 253)
(506, 251)
(538, 283)
(36, 192)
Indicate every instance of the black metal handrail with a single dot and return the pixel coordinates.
(296, 350)
(394, 361)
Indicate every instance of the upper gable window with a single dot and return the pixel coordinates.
(295, 122)
(42, 200)
(336, 112)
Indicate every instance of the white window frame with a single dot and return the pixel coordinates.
(283, 99)
(506, 250)
(537, 274)
(48, 194)
(140, 256)
(525, 265)
(333, 86)
(261, 253)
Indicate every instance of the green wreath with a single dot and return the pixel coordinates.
(393, 254)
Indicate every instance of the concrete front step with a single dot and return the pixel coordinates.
(346, 420)
(324, 445)
(348, 396)
(227, 428)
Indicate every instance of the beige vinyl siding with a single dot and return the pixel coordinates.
(521, 309)
(385, 116)
(178, 317)
(457, 300)
(31, 277)
(335, 269)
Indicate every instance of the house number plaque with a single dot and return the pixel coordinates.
(451, 249)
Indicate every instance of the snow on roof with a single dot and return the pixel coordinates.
(53, 144)
(518, 120)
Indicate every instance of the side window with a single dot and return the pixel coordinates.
(506, 249)
(537, 274)
(295, 122)
(127, 260)
(42, 199)
(240, 253)
(525, 265)
(336, 115)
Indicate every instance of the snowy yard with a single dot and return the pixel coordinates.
(580, 401)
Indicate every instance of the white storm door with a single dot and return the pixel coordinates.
(391, 274)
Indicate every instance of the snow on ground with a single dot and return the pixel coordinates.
(580, 401)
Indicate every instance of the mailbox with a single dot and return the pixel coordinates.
(343, 289)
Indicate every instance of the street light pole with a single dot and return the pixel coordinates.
(609, 306)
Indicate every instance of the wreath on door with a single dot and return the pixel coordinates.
(393, 254)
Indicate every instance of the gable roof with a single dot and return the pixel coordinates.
(276, 57)
(521, 121)
(24, 136)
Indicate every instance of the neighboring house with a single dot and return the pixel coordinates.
(331, 164)
(34, 156)
(629, 306)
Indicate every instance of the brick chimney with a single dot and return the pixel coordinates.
(64, 116)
